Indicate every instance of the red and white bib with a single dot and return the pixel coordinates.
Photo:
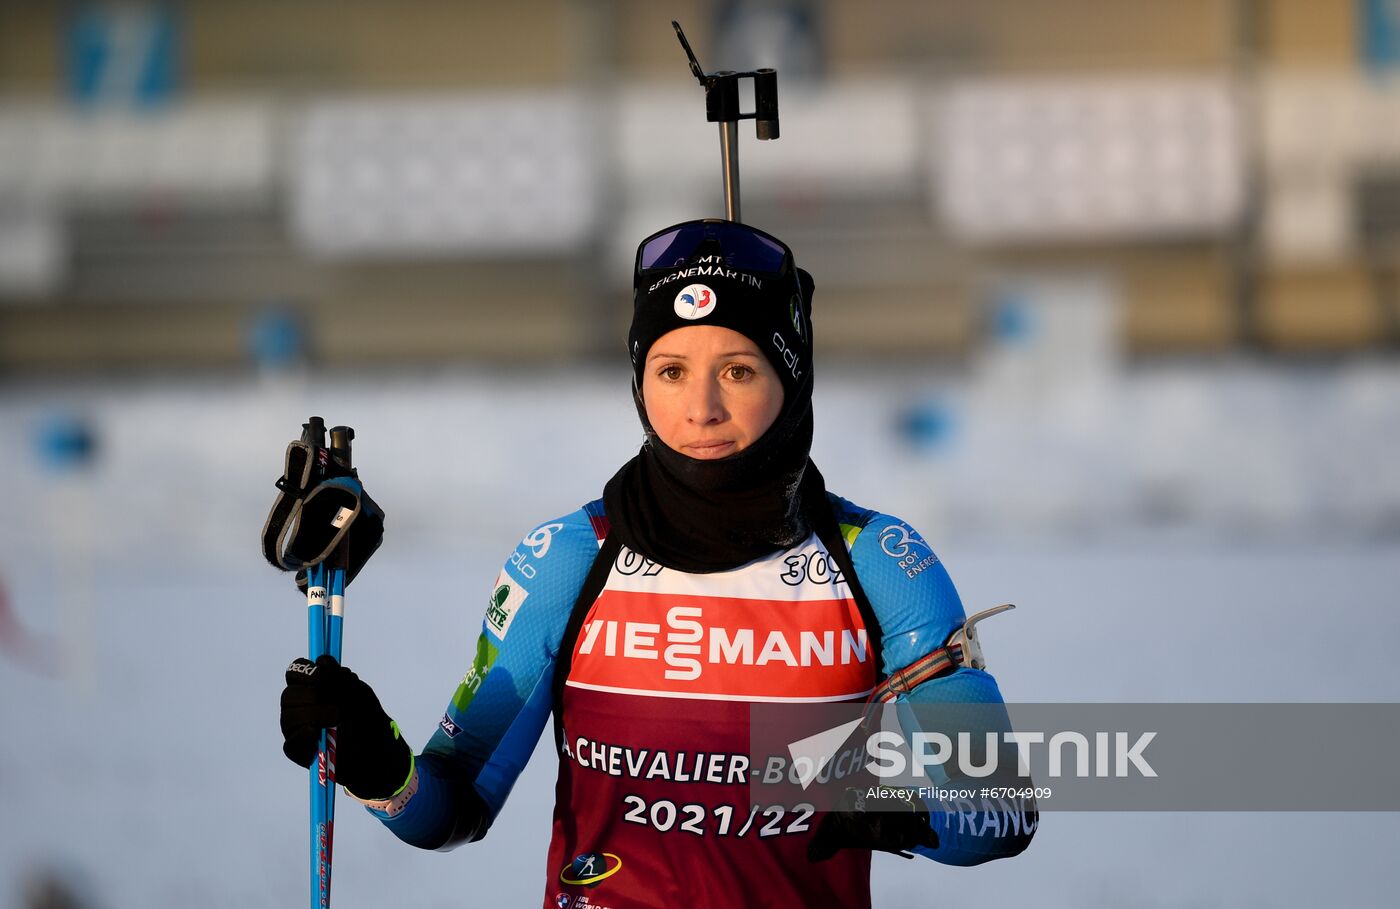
(652, 806)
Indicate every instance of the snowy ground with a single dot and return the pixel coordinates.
(1183, 537)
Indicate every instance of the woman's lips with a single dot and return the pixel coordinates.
(709, 450)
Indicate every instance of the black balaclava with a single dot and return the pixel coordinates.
(703, 516)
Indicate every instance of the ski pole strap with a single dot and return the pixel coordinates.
(316, 506)
(962, 649)
(903, 681)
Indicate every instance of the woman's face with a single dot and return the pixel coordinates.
(709, 392)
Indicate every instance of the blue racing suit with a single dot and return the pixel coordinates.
(650, 803)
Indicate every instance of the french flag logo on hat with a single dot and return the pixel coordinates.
(695, 301)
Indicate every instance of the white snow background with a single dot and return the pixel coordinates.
(1190, 533)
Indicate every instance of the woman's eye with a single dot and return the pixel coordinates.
(671, 373)
(739, 373)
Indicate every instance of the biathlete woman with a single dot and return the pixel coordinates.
(716, 571)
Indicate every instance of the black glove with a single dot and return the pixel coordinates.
(371, 760)
(890, 824)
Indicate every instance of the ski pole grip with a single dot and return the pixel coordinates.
(341, 437)
(313, 432)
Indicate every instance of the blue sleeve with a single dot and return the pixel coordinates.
(918, 608)
(495, 717)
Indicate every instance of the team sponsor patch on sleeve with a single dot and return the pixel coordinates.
(907, 548)
(506, 598)
(486, 653)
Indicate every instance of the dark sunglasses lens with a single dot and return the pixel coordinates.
(672, 248)
(745, 249)
(740, 247)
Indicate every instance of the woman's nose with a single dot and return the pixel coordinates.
(705, 405)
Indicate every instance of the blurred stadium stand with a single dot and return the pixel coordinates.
(445, 182)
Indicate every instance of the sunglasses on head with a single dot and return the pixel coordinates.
(738, 246)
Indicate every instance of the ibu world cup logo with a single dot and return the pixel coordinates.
(695, 301)
(590, 868)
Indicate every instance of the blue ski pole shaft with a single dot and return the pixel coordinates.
(332, 575)
(334, 620)
(321, 783)
(335, 616)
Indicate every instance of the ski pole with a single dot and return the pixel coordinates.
(322, 784)
(322, 781)
(334, 576)
(308, 530)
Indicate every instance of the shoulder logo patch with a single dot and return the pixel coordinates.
(911, 553)
(506, 598)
